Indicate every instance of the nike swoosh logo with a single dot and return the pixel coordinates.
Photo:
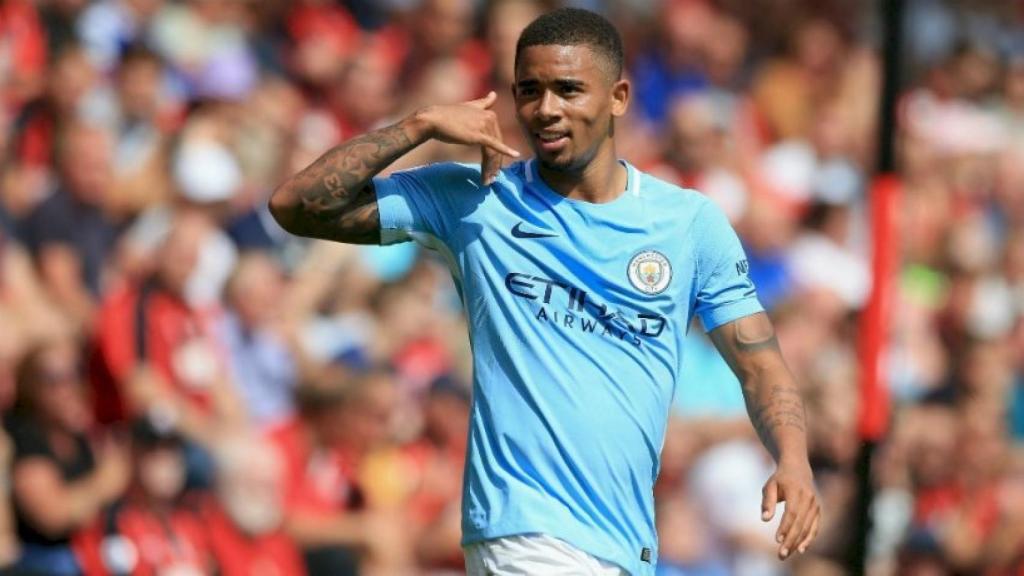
(518, 232)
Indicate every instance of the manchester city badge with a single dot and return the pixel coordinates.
(649, 272)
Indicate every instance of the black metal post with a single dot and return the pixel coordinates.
(891, 12)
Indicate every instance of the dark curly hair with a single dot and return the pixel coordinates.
(574, 27)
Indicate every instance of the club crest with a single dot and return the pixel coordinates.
(650, 272)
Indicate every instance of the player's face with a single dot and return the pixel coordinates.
(566, 102)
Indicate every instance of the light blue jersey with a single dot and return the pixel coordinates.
(577, 319)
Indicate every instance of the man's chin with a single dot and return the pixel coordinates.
(557, 163)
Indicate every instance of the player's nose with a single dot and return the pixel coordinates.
(548, 106)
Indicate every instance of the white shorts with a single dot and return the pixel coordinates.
(534, 555)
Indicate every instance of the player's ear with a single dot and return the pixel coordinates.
(621, 92)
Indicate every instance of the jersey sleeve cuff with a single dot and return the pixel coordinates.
(723, 314)
(393, 208)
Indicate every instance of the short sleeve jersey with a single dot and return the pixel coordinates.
(577, 318)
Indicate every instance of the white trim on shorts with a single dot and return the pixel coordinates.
(534, 555)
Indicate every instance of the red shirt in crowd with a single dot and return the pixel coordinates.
(140, 542)
(980, 507)
(317, 481)
(178, 341)
(426, 461)
(22, 49)
(437, 474)
(329, 24)
(238, 554)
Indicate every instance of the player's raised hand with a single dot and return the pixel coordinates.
(794, 485)
(471, 123)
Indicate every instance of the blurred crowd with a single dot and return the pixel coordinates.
(187, 389)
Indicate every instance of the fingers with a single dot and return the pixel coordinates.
(792, 533)
(488, 135)
(475, 123)
(788, 518)
(493, 151)
(490, 164)
(485, 102)
(499, 147)
(769, 499)
(812, 531)
(795, 523)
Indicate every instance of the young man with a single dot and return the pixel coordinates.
(579, 276)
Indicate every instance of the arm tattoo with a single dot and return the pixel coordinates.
(773, 401)
(773, 410)
(333, 198)
(752, 336)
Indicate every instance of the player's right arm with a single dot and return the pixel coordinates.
(334, 199)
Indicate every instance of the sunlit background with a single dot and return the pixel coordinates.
(188, 389)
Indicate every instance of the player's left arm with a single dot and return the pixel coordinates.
(776, 410)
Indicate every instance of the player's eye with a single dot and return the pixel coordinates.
(570, 90)
(527, 91)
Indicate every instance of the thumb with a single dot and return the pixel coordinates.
(770, 497)
(485, 102)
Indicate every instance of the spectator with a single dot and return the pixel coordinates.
(672, 67)
(59, 17)
(323, 449)
(684, 542)
(263, 147)
(25, 313)
(261, 350)
(25, 54)
(444, 29)
(107, 26)
(363, 94)
(206, 45)
(245, 522)
(140, 140)
(698, 154)
(433, 470)
(70, 93)
(69, 234)
(789, 90)
(149, 531)
(146, 116)
(156, 354)
(767, 230)
(506, 19)
(721, 481)
(324, 35)
(207, 178)
(60, 482)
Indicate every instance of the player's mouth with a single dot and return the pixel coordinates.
(552, 141)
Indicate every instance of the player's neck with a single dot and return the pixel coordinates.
(602, 180)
